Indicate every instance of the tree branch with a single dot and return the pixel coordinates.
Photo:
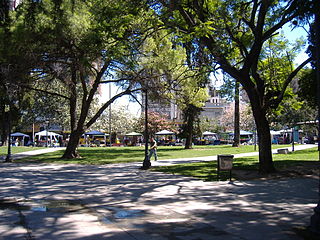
(107, 104)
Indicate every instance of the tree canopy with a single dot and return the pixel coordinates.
(239, 36)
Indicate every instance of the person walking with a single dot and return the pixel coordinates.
(153, 149)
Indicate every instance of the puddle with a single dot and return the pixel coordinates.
(62, 206)
(109, 215)
(127, 214)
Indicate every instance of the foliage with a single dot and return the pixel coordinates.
(156, 123)
(212, 125)
(168, 78)
(246, 118)
(78, 45)
(307, 81)
(241, 38)
(122, 121)
(308, 87)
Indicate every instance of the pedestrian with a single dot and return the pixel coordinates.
(153, 149)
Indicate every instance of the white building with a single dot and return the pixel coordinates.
(213, 109)
(214, 106)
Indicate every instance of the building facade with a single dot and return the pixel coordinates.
(215, 106)
(213, 109)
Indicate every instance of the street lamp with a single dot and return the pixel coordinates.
(110, 113)
(47, 129)
(8, 110)
(146, 162)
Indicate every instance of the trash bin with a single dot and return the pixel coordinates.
(225, 163)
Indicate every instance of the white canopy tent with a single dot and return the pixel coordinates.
(52, 137)
(133, 134)
(47, 133)
(133, 138)
(207, 133)
(165, 132)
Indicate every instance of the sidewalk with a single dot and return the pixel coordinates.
(121, 202)
(214, 158)
(32, 153)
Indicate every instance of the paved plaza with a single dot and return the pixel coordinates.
(121, 202)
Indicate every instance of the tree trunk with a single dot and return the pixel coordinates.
(264, 142)
(236, 134)
(188, 144)
(189, 128)
(71, 151)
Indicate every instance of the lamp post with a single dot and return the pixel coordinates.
(146, 162)
(110, 114)
(292, 139)
(9, 156)
(47, 129)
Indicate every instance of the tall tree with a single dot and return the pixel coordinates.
(81, 45)
(173, 75)
(235, 33)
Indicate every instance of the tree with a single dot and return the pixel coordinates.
(191, 99)
(122, 121)
(171, 76)
(245, 116)
(14, 65)
(194, 91)
(156, 123)
(81, 45)
(236, 35)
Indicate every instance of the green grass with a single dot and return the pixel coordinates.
(204, 170)
(4, 150)
(208, 170)
(106, 155)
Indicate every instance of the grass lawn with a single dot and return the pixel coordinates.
(208, 170)
(106, 155)
(4, 150)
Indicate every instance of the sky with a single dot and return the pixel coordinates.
(135, 108)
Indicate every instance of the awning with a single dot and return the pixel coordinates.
(96, 133)
(243, 133)
(19, 134)
(207, 133)
(46, 133)
(133, 134)
(165, 132)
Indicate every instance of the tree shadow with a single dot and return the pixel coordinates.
(172, 206)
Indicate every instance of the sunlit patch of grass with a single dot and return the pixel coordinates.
(208, 170)
(19, 149)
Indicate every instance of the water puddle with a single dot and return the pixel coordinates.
(117, 215)
(62, 206)
(109, 215)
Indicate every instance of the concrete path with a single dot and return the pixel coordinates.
(214, 158)
(121, 202)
